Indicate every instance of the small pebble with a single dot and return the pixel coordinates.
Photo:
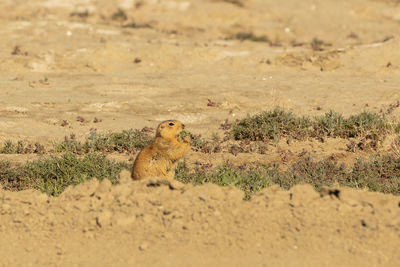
(144, 246)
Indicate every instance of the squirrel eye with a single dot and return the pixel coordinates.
(171, 124)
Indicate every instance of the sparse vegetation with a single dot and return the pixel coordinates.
(378, 174)
(206, 146)
(249, 36)
(365, 124)
(317, 44)
(52, 175)
(80, 14)
(249, 180)
(381, 173)
(272, 125)
(21, 147)
(125, 141)
(119, 15)
(251, 134)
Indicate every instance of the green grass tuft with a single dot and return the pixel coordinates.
(120, 15)
(126, 141)
(249, 180)
(271, 125)
(379, 174)
(52, 175)
(249, 36)
(21, 148)
(366, 124)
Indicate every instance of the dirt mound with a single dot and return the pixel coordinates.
(161, 222)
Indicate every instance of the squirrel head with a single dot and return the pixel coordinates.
(169, 129)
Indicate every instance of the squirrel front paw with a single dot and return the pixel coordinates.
(185, 136)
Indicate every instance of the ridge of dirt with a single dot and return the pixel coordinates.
(165, 223)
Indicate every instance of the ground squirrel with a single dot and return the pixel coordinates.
(160, 158)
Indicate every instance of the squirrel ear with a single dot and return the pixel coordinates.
(162, 126)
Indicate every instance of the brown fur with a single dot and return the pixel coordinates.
(160, 158)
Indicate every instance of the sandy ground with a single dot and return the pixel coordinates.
(164, 60)
(161, 223)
